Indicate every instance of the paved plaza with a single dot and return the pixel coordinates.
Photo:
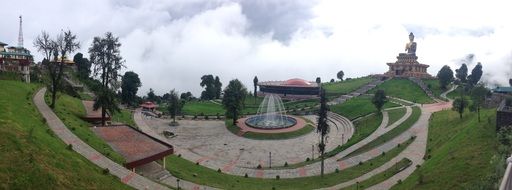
(210, 143)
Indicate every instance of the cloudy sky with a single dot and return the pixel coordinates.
(172, 43)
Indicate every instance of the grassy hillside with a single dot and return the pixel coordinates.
(462, 152)
(344, 87)
(433, 85)
(32, 157)
(70, 110)
(405, 89)
(357, 107)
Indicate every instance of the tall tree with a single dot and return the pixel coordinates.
(208, 82)
(65, 43)
(218, 87)
(151, 95)
(255, 83)
(459, 104)
(187, 96)
(379, 99)
(175, 104)
(478, 95)
(106, 57)
(340, 75)
(445, 76)
(462, 73)
(318, 80)
(233, 99)
(322, 128)
(83, 66)
(475, 75)
(510, 82)
(130, 84)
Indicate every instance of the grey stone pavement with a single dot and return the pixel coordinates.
(199, 143)
(209, 143)
(126, 176)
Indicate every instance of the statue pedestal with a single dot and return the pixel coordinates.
(407, 65)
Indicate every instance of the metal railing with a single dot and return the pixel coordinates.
(506, 182)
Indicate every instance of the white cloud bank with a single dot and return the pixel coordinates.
(171, 44)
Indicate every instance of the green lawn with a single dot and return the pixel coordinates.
(405, 89)
(32, 157)
(202, 107)
(395, 115)
(416, 113)
(70, 110)
(188, 170)
(344, 87)
(380, 177)
(433, 85)
(125, 116)
(357, 107)
(363, 128)
(251, 106)
(462, 152)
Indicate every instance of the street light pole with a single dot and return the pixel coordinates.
(270, 159)
(312, 151)
(178, 184)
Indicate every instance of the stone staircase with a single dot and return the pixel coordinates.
(424, 87)
(347, 127)
(356, 93)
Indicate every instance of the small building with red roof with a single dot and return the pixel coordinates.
(148, 106)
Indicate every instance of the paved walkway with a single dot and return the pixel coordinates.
(210, 144)
(416, 151)
(126, 176)
(232, 164)
(172, 181)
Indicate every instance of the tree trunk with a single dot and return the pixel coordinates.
(322, 157)
(234, 118)
(54, 94)
(103, 116)
(478, 110)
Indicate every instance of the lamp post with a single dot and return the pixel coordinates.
(312, 151)
(178, 183)
(270, 159)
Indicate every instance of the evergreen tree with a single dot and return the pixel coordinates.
(175, 104)
(83, 66)
(151, 95)
(340, 75)
(476, 74)
(445, 76)
(322, 128)
(478, 95)
(130, 84)
(255, 82)
(459, 104)
(106, 57)
(379, 99)
(462, 73)
(233, 99)
(218, 87)
(208, 82)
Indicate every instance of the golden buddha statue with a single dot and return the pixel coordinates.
(410, 47)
